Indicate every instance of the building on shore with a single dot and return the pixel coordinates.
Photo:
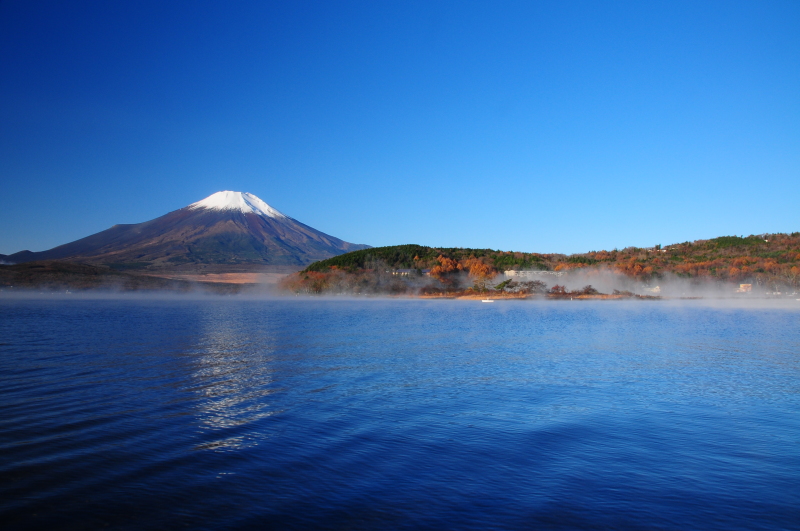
(409, 272)
(531, 275)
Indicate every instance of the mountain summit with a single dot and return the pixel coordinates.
(224, 228)
(243, 202)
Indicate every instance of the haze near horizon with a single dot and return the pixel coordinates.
(542, 127)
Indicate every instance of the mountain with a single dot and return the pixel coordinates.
(224, 228)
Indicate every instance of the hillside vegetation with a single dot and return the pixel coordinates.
(421, 257)
(768, 260)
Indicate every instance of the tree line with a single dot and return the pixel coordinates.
(769, 260)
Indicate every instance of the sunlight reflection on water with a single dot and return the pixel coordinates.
(233, 380)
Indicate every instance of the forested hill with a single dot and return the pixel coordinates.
(757, 257)
(421, 257)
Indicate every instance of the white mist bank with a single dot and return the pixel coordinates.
(425, 304)
(670, 289)
(667, 286)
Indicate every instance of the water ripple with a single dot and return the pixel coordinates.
(402, 414)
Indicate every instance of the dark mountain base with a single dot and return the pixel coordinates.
(59, 276)
(200, 269)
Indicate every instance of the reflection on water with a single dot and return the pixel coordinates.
(232, 379)
(231, 414)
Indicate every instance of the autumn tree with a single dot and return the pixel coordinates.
(480, 272)
(445, 265)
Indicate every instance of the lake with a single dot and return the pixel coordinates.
(399, 414)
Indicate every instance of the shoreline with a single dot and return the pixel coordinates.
(543, 296)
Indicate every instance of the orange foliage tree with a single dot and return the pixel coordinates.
(444, 266)
(479, 271)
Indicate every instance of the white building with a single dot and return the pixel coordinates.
(522, 275)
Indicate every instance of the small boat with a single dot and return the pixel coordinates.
(487, 300)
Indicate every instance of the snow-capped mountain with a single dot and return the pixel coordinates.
(224, 228)
(243, 202)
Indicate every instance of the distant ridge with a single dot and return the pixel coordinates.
(224, 228)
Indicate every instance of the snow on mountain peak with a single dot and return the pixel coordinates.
(243, 202)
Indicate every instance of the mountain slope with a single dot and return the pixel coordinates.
(224, 228)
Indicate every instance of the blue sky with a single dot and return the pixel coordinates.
(529, 126)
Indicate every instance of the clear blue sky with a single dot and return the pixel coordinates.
(530, 126)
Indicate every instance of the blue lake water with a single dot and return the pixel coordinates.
(315, 414)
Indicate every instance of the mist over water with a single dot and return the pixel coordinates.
(217, 413)
(670, 285)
